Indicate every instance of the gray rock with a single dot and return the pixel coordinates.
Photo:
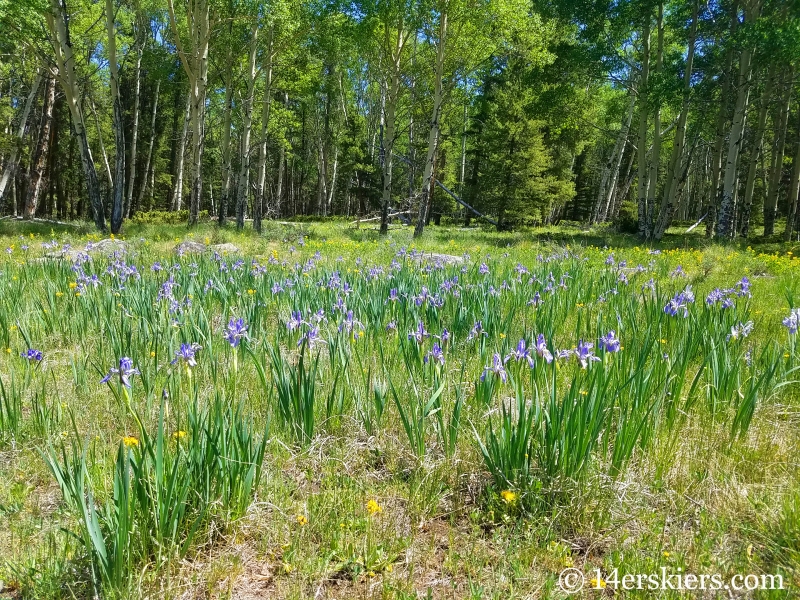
(190, 247)
(448, 259)
(226, 248)
(105, 247)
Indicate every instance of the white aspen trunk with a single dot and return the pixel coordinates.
(177, 194)
(243, 187)
(794, 189)
(39, 159)
(611, 169)
(281, 169)
(758, 147)
(148, 163)
(641, 188)
(655, 157)
(198, 20)
(776, 170)
(433, 133)
(332, 186)
(103, 152)
(13, 160)
(226, 140)
(137, 84)
(719, 138)
(392, 98)
(118, 122)
(674, 174)
(68, 78)
(266, 104)
(726, 226)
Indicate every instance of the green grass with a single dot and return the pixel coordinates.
(356, 468)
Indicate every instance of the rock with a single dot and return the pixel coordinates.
(226, 248)
(190, 247)
(105, 247)
(448, 259)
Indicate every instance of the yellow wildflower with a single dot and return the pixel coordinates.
(130, 442)
(508, 496)
(72, 285)
(179, 435)
(598, 583)
(374, 508)
(301, 520)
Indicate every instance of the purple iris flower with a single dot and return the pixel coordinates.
(484, 269)
(716, 295)
(496, 368)
(312, 338)
(295, 321)
(186, 354)
(391, 326)
(610, 342)
(32, 355)
(236, 330)
(536, 300)
(541, 349)
(740, 331)
(445, 337)
(585, 354)
(350, 323)
(679, 302)
(743, 287)
(393, 295)
(476, 330)
(792, 322)
(419, 334)
(436, 354)
(520, 353)
(126, 371)
(678, 272)
(564, 353)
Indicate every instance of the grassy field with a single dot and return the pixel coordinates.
(329, 414)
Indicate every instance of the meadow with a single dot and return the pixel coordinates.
(319, 412)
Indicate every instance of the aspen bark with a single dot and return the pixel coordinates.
(247, 125)
(392, 99)
(674, 174)
(641, 187)
(68, 78)
(40, 157)
(117, 207)
(776, 170)
(227, 171)
(148, 162)
(266, 104)
(137, 84)
(794, 189)
(177, 193)
(433, 133)
(11, 166)
(758, 145)
(655, 157)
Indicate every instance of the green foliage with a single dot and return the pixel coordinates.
(165, 217)
(166, 488)
(628, 218)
